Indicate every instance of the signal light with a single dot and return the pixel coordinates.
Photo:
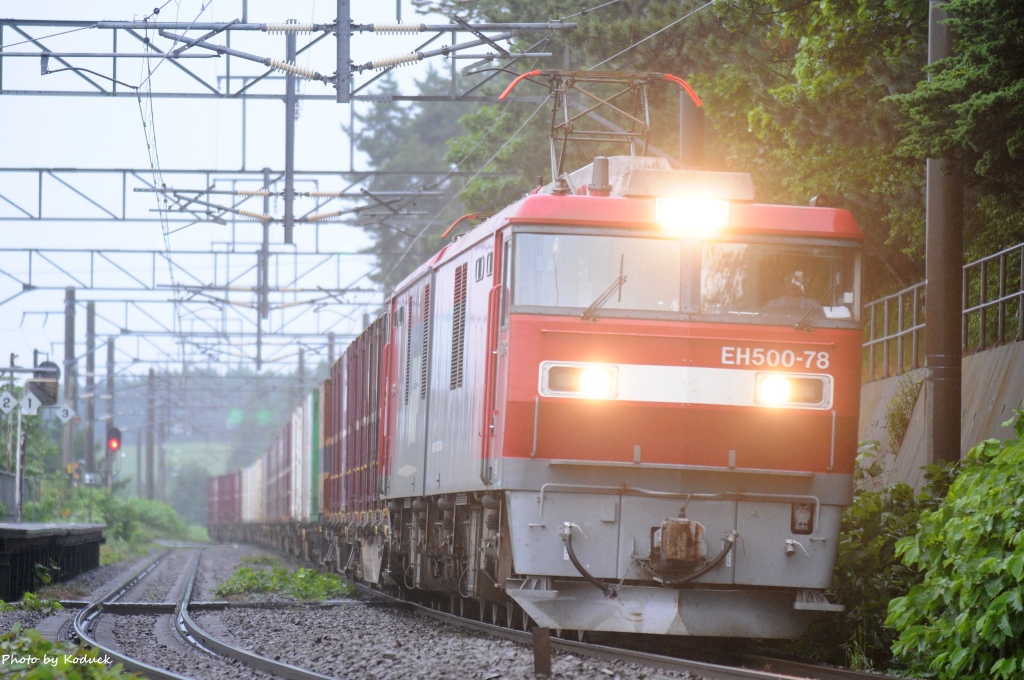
(113, 439)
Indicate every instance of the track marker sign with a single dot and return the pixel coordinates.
(65, 413)
(29, 404)
(7, 402)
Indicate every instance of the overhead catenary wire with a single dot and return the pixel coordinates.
(660, 30)
(433, 221)
(164, 56)
(153, 153)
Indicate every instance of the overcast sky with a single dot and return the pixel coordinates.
(104, 132)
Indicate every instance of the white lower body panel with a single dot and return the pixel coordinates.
(571, 605)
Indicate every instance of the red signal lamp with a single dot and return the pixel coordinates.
(113, 439)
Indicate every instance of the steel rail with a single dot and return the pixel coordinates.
(197, 635)
(801, 670)
(84, 620)
(709, 671)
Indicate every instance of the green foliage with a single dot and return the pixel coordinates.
(36, 658)
(189, 483)
(867, 466)
(409, 140)
(899, 411)
(867, 573)
(966, 618)
(129, 520)
(971, 107)
(304, 584)
(44, 573)
(30, 602)
(42, 454)
(116, 550)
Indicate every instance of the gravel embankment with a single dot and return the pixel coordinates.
(360, 641)
(346, 641)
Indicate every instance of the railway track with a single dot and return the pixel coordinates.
(726, 667)
(229, 649)
(88, 627)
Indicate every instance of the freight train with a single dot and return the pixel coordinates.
(627, 402)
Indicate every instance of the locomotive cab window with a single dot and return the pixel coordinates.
(765, 282)
(779, 284)
(601, 272)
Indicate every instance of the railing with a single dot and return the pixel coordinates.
(992, 300)
(993, 314)
(894, 332)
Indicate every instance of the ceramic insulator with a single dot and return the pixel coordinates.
(255, 215)
(391, 28)
(289, 67)
(288, 28)
(396, 60)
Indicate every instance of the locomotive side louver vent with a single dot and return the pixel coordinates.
(425, 357)
(458, 326)
(408, 353)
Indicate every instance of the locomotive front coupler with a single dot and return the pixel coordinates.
(671, 581)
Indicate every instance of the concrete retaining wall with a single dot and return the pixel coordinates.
(992, 387)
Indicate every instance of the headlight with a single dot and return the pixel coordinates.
(587, 381)
(692, 217)
(779, 389)
(773, 390)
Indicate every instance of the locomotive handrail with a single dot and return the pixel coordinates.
(676, 466)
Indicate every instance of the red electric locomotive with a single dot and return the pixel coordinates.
(627, 402)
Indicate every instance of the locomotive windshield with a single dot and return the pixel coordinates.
(757, 282)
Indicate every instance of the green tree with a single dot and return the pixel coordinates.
(971, 111)
(188, 494)
(823, 99)
(409, 139)
(795, 93)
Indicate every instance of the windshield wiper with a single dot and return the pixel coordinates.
(590, 314)
(804, 323)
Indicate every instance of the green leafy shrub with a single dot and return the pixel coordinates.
(304, 584)
(899, 411)
(966, 618)
(33, 657)
(30, 602)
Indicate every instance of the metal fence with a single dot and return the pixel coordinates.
(993, 299)
(993, 314)
(894, 334)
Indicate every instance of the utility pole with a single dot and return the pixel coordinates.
(344, 73)
(944, 256)
(150, 434)
(330, 351)
(691, 132)
(68, 449)
(10, 421)
(289, 140)
(90, 387)
(138, 463)
(263, 274)
(300, 377)
(108, 469)
(161, 451)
